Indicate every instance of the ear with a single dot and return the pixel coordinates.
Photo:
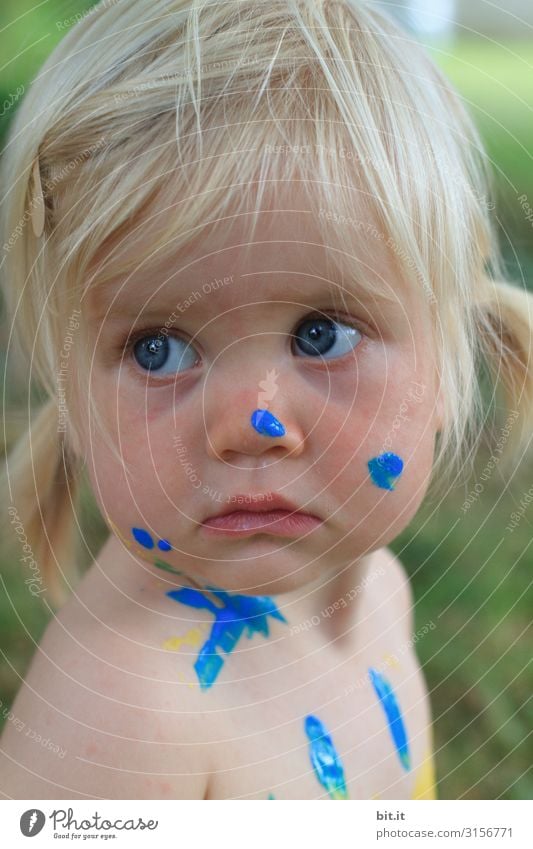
(75, 446)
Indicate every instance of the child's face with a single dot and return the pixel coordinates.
(184, 430)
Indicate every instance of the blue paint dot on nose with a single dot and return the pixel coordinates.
(164, 545)
(266, 424)
(143, 537)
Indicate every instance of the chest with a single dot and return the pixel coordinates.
(321, 726)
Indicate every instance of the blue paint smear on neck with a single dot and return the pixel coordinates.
(326, 762)
(392, 712)
(238, 614)
(142, 537)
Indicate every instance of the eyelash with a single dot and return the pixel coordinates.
(127, 344)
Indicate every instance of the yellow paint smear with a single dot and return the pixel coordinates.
(192, 638)
(425, 784)
(117, 533)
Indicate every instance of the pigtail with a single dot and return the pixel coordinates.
(40, 486)
(504, 318)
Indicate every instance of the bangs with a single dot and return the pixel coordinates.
(203, 135)
(174, 221)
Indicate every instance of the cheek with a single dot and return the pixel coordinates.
(398, 425)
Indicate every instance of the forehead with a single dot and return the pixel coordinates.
(293, 240)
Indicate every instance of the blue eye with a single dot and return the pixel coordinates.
(319, 336)
(158, 352)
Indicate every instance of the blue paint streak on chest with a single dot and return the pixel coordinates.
(392, 711)
(324, 758)
(266, 424)
(384, 469)
(238, 614)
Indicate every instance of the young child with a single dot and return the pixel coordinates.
(248, 255)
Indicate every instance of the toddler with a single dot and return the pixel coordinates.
(248, 258)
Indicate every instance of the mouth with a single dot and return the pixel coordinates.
(271, 514)
(240, 523)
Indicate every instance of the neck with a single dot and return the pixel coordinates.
(324, 610)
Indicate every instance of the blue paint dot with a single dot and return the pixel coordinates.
(384, 469)
(391, 463)
(164, 545)
(143, 537)
(266, 424)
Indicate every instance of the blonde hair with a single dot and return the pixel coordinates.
(171, 109)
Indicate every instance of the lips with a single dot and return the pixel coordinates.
(248, 514)
(278, 522)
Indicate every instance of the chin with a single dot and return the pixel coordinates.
(251, 574)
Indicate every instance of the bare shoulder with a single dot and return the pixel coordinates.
(101, 715)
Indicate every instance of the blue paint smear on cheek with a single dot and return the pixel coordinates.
(326, 762)
(392, 711)
(143, 537)
(164, 545)
(385, 469)
(238, 614)
(266, 424)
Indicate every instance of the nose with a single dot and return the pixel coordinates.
(231, 436)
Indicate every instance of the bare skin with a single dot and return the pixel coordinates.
(134, 723)
(113, 682)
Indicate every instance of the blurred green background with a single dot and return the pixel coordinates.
(469, 576)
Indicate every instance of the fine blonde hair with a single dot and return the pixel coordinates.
(166, 113)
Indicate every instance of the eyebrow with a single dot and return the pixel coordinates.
(191, 300)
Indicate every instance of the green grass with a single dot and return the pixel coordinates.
(494, 81)
(473, 579)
